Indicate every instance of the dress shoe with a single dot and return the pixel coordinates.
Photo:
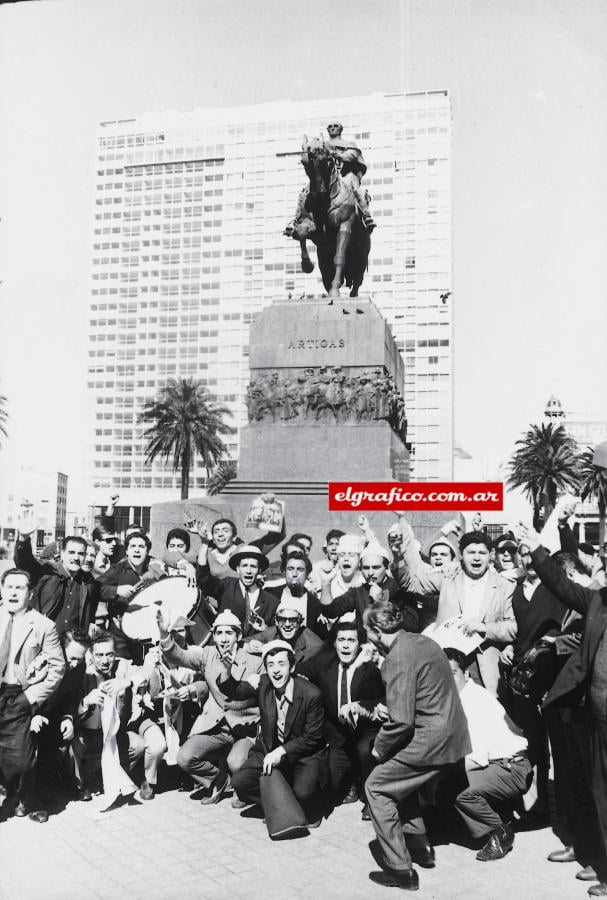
(315, 824)
(146, 791)
(85, 795)
(587, 874)
(366, 814)
(566, 854)
(20, 810)
(218, 793)
(499, 844)
(38, 815)
(237, 803)
(420, 850)
(407, 879)
(598, 890)
(351, 796)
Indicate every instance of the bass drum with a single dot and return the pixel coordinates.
(174, 595)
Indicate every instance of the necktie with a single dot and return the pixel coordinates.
(343, 691)
(5, 646)
(282, 703)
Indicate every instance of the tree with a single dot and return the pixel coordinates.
(594, 487)
(544, 464)
(3, 419)
(185, 420)
(224, 472)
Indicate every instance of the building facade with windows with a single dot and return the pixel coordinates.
(46, 492)
(188, 246)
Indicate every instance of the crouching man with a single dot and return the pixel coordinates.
(291, 740)
(498, 768)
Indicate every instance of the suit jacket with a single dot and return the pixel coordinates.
(40, 637)
(357, 599)
(50, 583)
(228, 593)
(427, 724)
(306, 644)
(304, 723)
(122, 668)
(366, 686)
(590, 602)
(238, 712)
(496, 611)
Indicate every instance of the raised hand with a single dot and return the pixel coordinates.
(26, 522)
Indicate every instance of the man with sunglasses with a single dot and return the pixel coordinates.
(289, 627)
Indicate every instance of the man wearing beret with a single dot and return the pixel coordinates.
(223, 733)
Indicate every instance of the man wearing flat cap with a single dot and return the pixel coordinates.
(475, 598)
(253, 606)
(224, 731)
(378, 585)
(291, 735)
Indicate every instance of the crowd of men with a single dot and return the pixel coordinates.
(307, 683)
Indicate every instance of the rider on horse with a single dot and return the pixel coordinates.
(353, 168)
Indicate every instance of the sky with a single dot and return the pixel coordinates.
(528, 84)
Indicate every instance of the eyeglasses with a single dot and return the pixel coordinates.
(287, 620)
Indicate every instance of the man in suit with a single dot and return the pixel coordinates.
(25, 636)
(378, 585)
(291, 735)
(62, 591)
(351, 687)
(290, 628)
(296, 566)
(424, 736)
(586, 672)
(252, 605)
(476, 597)
(223, 733)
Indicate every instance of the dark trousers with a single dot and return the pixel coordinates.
(598, 757)
(498, 784)
(351, 762)
(527, 714)
(392, 794)
(17, 749)
(307, 778)
(208, 758)
(569, 732)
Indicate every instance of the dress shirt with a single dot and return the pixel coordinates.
(474, 589)
(283, 701)
(20, 629)
(492, 733)
(252, 595)
(529, 588)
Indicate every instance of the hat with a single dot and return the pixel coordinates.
(373, 548)
(447, 540)
(505, 540)
(587, 548)
(250, 551)
(227, 618)
(286, 607)
(349, 543)
(274, 646)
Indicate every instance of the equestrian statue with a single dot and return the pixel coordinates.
(333, 211)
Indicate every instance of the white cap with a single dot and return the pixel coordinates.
(228, 619)
(286, 607)
(274, 647)
(375, 549)
(349, 543)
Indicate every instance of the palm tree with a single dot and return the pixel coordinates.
(594, 487)
(184, 421)
(3, 418)
(544, 464)
(224, 472)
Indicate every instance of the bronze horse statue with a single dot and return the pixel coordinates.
(331, 218)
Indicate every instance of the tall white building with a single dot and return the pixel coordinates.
(188, 246)
(45, 492)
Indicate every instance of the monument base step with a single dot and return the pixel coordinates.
(280, 488)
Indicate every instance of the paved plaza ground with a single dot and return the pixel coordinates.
(172, 847)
